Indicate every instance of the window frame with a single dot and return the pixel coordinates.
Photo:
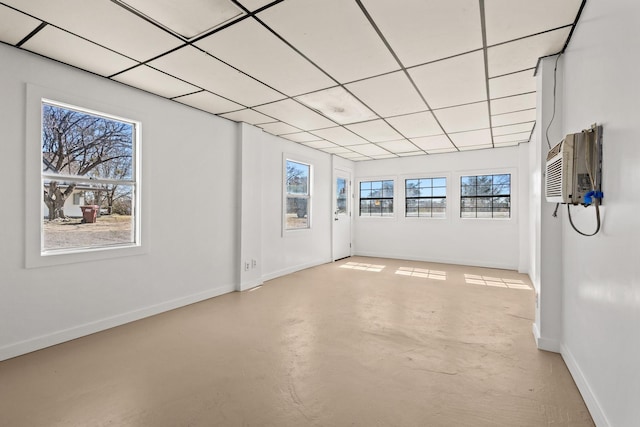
(446, 197)
(35, 256)
(393, 199)
(286, 195)
(492, 173)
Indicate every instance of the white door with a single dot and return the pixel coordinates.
(342, 206)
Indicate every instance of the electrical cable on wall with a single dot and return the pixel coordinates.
(553, 116)
(597, 205)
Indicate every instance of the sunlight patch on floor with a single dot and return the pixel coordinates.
(422, 272)
(377, 268)
(497, 282)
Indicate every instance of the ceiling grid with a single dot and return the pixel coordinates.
(361, 79)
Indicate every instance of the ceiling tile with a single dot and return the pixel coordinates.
(385, 156)
(513, 118)
(295, 114)
(320, 145)
(508, 144)
(401, 146)
(476, 147)
(72, 50)
(524, 53)
(416, 125)
(340, 136)
(199, 68)
(255, 4)
(388, 95)
(208, 102)
(512, 84)
(464, 118)
(334, 34)
(154, 81)
(252, 48)
(411, 154)
(278, 128)
(369, 150)
(15, 25)
(422, 31)
(434, 143)
(337, 150)
(105, 23)
(442, 150)
(505, 130)
(473, 138)
(375, 131)
(511, 19)
(189, 19)
(302, 137)
(513, 103)
(248, 116)
(337, 104)
(514, 137)
(455, 81)
(353, 156)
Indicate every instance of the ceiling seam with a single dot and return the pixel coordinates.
(483, 27)
(514, 111)
(31, 34)
(395, 56)
(573, 26)
(513, 72)
(517, 39)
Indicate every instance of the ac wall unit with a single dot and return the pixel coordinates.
(573, 167)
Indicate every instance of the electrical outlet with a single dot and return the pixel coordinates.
(247, 266)
(254, 263)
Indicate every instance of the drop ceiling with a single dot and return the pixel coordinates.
(361, 79)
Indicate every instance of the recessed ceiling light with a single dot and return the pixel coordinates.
(339, 105)
(189, 18)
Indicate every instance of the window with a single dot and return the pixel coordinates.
(376, 198)
(88, 157)
(485, 196)
(298, 195)
(426, 197)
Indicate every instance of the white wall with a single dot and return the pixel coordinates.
(289, 251)
(250, 209)
(547, 241)
(190, 221)
(481, 242)
(601, 298)
(211, 199)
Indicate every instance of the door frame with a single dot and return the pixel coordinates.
(345, 172)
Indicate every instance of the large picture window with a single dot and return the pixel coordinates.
(376, 198)
(89, 179)
(298, 195)
(485, 196)
(426, 197)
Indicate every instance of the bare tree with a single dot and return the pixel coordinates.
(80, 145)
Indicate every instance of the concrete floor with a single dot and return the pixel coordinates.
(359, 342)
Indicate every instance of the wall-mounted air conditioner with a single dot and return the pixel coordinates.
(574, 168)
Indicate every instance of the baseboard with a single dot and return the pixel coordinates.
(58, 337)
(599, 418)
(543, 343)
(293, 269)
(471, 263)
(250, 284)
